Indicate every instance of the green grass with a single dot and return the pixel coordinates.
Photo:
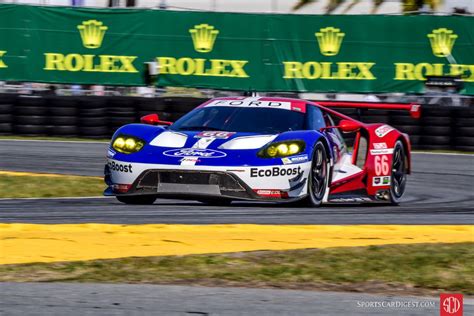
(49, 186)
(415, 269)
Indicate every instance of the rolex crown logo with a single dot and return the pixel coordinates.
(204, 36)
(442, 42)
(92, 33)
(330, 40)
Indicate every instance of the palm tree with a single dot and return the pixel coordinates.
(301, 3)
(334, 4)
(408, 5)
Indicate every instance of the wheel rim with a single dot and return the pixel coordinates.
(398, 172)
(319, 173)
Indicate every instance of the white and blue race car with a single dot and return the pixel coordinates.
(261, 149)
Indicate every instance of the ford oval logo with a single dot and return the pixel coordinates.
(194, 152)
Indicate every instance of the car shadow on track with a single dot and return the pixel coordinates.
(241, 204)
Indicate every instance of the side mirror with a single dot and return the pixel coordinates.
(348, 126)
(153, 119)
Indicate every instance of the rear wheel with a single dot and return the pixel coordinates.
(137, 199)
(318, 176)
(399, 173)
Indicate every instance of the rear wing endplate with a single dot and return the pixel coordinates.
(413, 108)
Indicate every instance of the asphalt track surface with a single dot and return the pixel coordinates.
(106, 299)
(440, 191)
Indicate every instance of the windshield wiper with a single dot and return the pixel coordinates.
(200, 128)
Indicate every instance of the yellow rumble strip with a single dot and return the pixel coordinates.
(23, 243)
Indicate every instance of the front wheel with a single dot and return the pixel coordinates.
(137, 199)
(318, 176)
(399, 173)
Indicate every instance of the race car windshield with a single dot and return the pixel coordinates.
(241, 119)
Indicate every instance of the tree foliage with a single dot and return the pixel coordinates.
(407, 5)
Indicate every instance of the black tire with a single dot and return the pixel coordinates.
(403, 120)
(151, 105)
(8, 98)
(92, 102)
(94, 131)
(6, 108)
(120, 102)
(399, 173)
(137, 199)
(29, 110)
(464, 112)
(464, 141)
(31, 130)
(437, 130)
(93, 112)
(62, 111)
(183, 105)
(318, 176)
(125, 111)
(465, 148)
(6, 128)
(348, 112)
(99, 137)
(436, 121)
(436, 112)
(64, 130)
(379, 112)
(30, 120)
(435, 140)
(63, 120)
(122, 114)
(119, 121)
(30, 101)
(432, 147)
(465, 131)
(462, 121)
(6, 118)
(61, 101)
(216, 201)
(376, 119)
(92, 121)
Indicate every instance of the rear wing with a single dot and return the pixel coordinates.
(413, 108)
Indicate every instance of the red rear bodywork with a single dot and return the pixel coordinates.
(380, 139)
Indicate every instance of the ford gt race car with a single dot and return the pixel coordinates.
(260, 149)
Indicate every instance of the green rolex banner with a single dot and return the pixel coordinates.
(263, 52)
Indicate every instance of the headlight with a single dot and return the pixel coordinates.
(127, 144)
(282, 149)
